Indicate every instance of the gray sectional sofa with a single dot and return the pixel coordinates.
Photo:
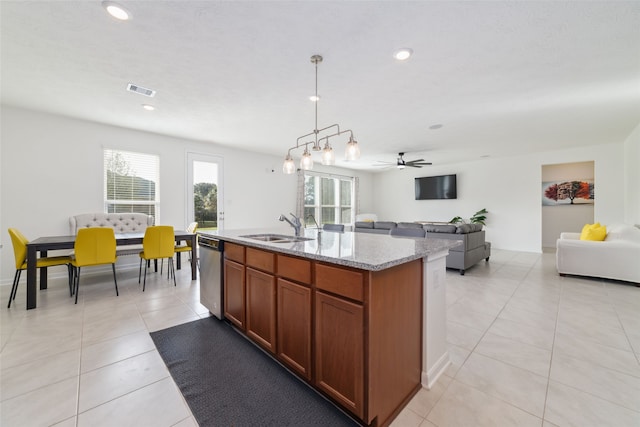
(472, 250)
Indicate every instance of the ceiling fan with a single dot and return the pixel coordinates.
(401, 163)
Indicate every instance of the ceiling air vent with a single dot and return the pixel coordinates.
(141, 90)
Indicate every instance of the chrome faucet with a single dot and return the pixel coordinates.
(316, 222)
(296, 224)
(317, 227)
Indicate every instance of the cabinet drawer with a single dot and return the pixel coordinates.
(234, 252)
(262, 260)
(294, 268)
(340, 281)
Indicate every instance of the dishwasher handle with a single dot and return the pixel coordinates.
(210, 243)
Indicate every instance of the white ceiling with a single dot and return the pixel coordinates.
(503, 77)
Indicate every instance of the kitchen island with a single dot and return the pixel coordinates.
(360, 317)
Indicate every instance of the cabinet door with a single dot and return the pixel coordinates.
(234, 287)
(261, 308)
(294, 326)
(339, 368)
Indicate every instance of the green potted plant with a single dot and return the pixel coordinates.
(477, 218)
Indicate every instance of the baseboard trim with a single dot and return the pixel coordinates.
(430, 378)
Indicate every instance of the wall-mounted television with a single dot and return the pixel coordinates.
(436, 187)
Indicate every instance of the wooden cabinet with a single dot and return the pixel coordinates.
(339, 336)
(294, 314)
(261, 308)
(294, 326)
(354, 335)
(234, 290)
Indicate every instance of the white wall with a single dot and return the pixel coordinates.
(632, 182)
(509, 188)
(52, 169)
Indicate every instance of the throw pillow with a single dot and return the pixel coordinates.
(586, 229)
(594, 232)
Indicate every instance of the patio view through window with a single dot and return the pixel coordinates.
(131, 182)
(205, 194)
(328, 198)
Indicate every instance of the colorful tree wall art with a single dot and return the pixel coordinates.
(568, 193)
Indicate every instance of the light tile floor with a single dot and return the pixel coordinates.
(528, 348)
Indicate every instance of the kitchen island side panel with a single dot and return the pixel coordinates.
(395, 339)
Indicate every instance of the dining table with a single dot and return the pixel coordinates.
(42, 245)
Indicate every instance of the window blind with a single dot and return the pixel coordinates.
(131, 182)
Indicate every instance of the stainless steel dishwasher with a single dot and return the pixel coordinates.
(211, 274)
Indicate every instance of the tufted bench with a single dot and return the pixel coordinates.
(120, 222)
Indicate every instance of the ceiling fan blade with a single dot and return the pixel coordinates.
(401, 163)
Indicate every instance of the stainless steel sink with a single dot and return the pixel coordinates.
(276, 238)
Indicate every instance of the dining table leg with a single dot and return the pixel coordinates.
(32, 259)
(43, 272)
(194, 258)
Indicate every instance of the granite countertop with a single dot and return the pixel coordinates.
(366, 251)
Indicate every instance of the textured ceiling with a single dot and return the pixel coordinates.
(503, 78)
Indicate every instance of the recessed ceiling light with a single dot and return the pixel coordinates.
(314, 98)
(116, 10)
(148, 107)
(403, 54)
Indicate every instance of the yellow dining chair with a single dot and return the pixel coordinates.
(94, 246)
(158, 243)
(192, 228)
(19, 242)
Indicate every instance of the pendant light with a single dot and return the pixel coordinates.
(328, 156)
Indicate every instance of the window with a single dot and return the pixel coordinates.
(329, 198)
(131, 182)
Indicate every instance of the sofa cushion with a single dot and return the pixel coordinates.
(409, 225)
(476, 227)
(594, 232)
(364, 224)
(463, 229)
(622, 232)
(468, 228)
(387, 225)
(439, 228)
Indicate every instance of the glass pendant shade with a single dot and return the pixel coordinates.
(306, 162)
(353, 151)
(289, 166)
(328, 157)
